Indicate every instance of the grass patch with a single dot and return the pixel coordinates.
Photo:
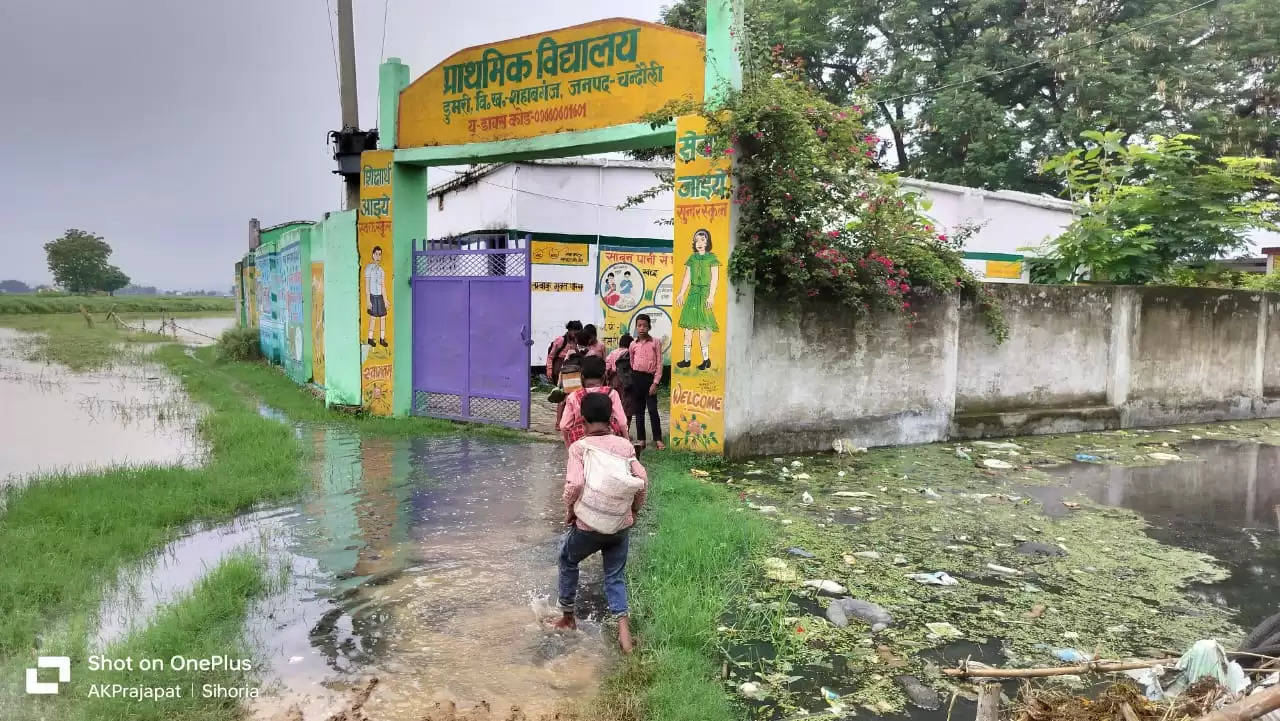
(205, 623)
(273, 388)
(77, 530)
(67, 340)
(682, 580)
(39, 304)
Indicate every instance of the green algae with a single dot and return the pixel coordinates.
(1113, 592)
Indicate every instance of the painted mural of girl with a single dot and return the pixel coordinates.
(697, 298)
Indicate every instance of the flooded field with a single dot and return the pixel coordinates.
(126, 413)
(426, 563)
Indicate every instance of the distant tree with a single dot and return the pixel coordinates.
(78, 261)
(14, 286)
(113, 279)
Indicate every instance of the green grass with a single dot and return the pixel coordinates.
(273, 388)
(68, 340)
(77, 530)
(681, 581)
(35, 304)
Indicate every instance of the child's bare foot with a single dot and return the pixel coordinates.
(624, 634)
(566, 623)
(661, 446)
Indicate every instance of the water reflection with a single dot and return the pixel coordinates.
(424, 562)
(1225, 502)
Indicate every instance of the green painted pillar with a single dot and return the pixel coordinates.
(724, 49)
(393, 76)
(341, 310)
(408, 224)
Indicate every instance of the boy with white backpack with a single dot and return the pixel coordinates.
(604, 488)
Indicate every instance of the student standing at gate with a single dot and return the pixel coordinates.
(617, 374)
(646, 372)
(557, 347)
(592, 342)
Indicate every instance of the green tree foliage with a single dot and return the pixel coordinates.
(1213, 71)
(1146, 207)
(78, 261)
(817, 219)
(14, 286)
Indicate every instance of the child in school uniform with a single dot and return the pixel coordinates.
(609, 503)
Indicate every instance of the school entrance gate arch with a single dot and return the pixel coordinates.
(579, 90)
(471, 329)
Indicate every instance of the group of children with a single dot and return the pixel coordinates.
(605, 484)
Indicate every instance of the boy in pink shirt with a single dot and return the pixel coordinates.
(581, 540)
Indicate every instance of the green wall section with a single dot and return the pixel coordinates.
(409, 223)
(337, 238)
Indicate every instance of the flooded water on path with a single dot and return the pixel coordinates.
(1222, 499)
(58, 420)
(425, 562)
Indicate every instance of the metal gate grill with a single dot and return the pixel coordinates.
(471, 333)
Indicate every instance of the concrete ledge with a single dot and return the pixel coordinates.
(907, 428)
(1035, 421)
(1143, 412)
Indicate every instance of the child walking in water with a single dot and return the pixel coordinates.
(610, 497)
(697, 298)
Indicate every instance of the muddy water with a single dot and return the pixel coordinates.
(1222, 499)
(58, 420)
(424, 562)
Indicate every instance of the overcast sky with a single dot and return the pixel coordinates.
(164, 125)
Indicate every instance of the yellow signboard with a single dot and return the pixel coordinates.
(373, 243)
(1004, 269)
(317, 323)
(702, 195)
(633, 281)
(604, 73)
(548, 253)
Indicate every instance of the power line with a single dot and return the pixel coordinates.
(382, 54)
(1037, 61)
(328, 15)
(551, 197)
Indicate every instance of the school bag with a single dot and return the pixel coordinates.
(608, 491)
(553, 351)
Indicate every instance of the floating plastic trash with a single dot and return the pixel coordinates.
(937, 578)
(997, 464)
(1087, 458)
(825, 585)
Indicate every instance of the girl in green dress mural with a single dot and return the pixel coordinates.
(697, 298)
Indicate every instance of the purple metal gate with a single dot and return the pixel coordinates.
(471, 329)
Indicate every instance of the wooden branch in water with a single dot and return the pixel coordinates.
(1248, 708)
(1093, 667)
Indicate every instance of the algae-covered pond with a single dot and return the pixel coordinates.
(1013, 553)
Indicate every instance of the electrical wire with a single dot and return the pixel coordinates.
(1037, 61)
(337, 77)
(382, 54)
(552, 197)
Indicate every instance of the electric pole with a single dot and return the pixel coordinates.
(350, 141)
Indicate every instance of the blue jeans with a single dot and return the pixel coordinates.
(577, 545)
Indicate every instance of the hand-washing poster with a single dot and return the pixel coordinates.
(702, 195)
(317, 322)
(373, 242)
(634, 281)
(604, 73)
